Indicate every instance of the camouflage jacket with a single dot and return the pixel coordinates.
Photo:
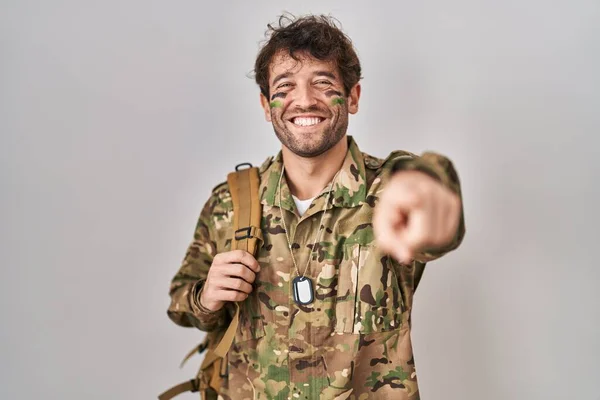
(353, 341)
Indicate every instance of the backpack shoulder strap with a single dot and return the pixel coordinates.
(247, 213)
(243, 186)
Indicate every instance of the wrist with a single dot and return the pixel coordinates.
(206, 305)
(199, 305)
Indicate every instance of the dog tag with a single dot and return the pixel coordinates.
(303, 290)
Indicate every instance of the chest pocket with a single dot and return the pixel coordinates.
(368, 296)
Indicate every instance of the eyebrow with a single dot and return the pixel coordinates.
(317, 73)
(327, 74)
(281, 76)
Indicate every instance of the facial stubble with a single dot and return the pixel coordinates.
(328, 137)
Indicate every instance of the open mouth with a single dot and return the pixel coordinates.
(306, 121)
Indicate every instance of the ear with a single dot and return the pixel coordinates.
(264, 103)
(353, 99)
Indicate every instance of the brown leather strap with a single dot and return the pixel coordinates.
(187, 386)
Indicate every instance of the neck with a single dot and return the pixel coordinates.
(306, 177)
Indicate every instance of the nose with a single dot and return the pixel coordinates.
(305, 97)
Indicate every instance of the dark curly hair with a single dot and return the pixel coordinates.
(319, 36)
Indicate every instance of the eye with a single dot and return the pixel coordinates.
(323, 83)
(284, 85)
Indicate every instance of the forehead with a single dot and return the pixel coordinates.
(305, 64)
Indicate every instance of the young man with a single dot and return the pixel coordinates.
(325, 306)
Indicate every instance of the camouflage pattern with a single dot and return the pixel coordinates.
(353, 341)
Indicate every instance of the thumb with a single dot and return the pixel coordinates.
(387, 230)
(412, 238)
(402, 253)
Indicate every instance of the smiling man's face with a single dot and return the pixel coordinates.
(307, 106)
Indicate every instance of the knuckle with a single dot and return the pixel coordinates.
(239, 254)
(213, 271)
(217, 295)
(230, 295)
(427, 188)
(235, 296)
(240, 270)
(253, 263)
(417, 198)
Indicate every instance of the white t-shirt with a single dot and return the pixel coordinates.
(302, 205)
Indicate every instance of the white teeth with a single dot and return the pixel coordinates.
(303, 121)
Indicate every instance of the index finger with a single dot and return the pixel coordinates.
(242, 257)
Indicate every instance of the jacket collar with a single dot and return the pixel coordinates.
(349, 189)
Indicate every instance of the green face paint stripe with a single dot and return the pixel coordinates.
(338, 100)
(275, 104)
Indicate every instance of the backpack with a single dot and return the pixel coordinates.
(243, 185)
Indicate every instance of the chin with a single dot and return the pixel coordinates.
(312, 151)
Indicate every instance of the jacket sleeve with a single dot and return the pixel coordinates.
(185, 308)
(441, 169)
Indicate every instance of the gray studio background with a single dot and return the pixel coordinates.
(118, 117)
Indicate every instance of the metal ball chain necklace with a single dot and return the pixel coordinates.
(303, 289)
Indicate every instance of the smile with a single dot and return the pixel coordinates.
(307, 121)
